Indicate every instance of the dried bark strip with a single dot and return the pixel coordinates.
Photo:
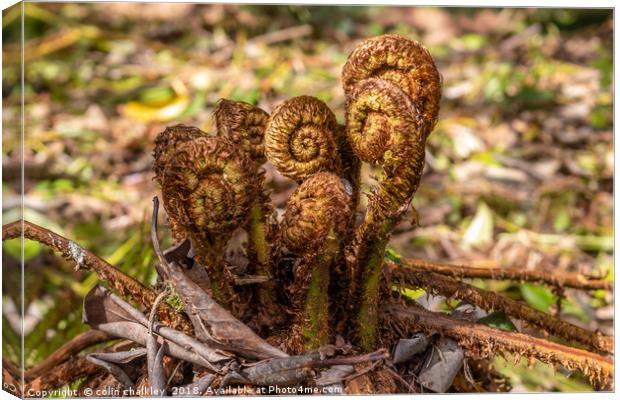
(84, 259)
(215, 325)
(155, 366)
(107, 312)
(138, 333)
(114, 368)
(117, 306)
(64, 352)
(565, 279)
(481, 341)
(449, 287)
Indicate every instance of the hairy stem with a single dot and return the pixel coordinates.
(351, 171)
(221, 280)
(244, 124)
(258, 238)
(564, 279)
(378, 110)
(487, 300)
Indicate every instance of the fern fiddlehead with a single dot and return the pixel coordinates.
(402, 61)
(208, 186)
(166, 143)
(392, 90)
(244, 124)
(313, 227)
(302, 138)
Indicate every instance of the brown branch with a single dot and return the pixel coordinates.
(69, 371)
(481, 341)
(10, 368)
(565, 279)
(452, 288)
(63, 353)
(84, 259)
(11, 378)
(59, 376)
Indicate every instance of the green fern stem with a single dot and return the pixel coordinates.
(316, 310)
(259, 244)
(372, 262)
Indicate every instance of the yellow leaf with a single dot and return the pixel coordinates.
(144, 113)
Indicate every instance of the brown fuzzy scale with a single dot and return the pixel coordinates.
(302, 138)
(315, 219)
(168, 141)
(208, 188)
(402, 61)
(244, 124)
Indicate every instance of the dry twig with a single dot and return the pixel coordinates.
(66, 351)
(565, 279)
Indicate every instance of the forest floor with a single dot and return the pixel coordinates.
(519, 170)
